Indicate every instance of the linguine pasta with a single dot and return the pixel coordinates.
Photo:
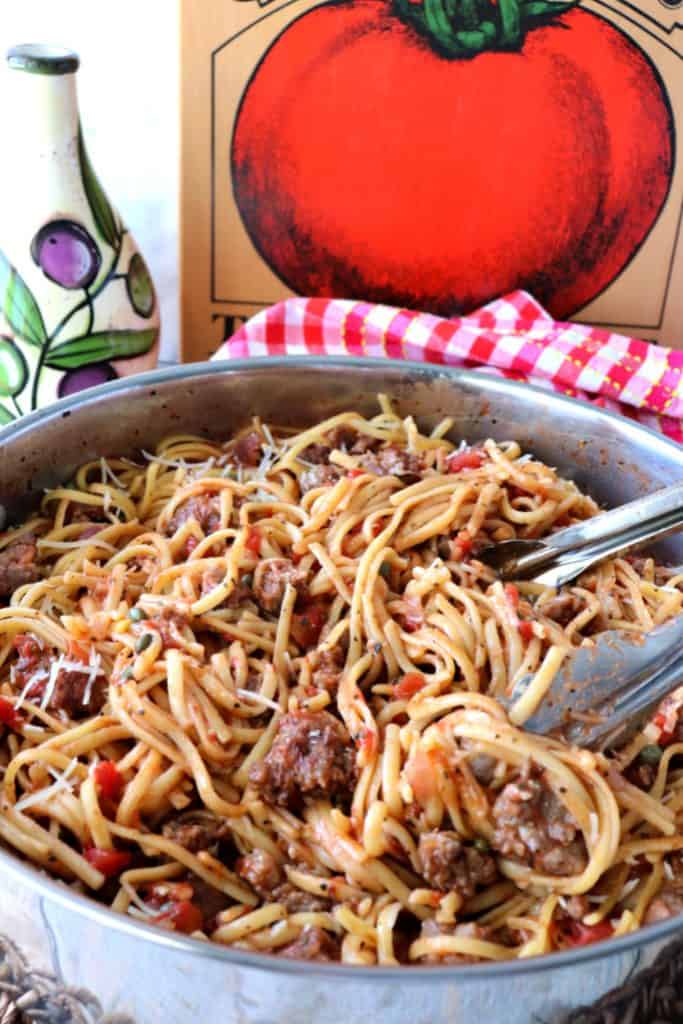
(249, 692)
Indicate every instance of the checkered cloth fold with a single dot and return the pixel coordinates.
(512, 337)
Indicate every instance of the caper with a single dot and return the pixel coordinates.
(143, 642)
(385, 570)
(444, 548)
(651, 754)
(481, 844)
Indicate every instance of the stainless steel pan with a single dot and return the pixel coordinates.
(156, 976)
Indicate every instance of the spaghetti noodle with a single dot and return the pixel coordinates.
(249, 691)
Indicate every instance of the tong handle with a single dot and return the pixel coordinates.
(568, 566)
(628, 712)
(634, 516)
(618, 520)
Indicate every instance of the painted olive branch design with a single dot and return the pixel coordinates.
(69, 256)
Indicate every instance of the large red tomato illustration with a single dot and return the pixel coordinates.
(433, 156)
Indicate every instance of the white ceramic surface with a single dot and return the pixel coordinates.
(77, 305)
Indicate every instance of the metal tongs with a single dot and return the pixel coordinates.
(605, 690)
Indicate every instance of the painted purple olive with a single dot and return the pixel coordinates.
(88, 377)
(66, 253)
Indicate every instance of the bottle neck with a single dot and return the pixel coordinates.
(44, 111)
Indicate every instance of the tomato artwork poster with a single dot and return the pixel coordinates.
(438, 153)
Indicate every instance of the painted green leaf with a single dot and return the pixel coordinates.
(20, 309)
(545, 8)
(103, 215)
(139, 286)
(96, 348)
(13, 369)
(5, 416)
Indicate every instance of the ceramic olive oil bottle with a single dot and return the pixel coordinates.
(77, 304)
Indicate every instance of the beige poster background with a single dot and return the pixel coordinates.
(223, 277)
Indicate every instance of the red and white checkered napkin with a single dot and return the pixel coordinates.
(512, 337)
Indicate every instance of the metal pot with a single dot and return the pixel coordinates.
(154, 975)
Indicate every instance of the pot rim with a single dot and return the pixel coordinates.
(52, 889)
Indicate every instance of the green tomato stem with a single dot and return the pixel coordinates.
(464, 28)
(469, 14)
(510, 23)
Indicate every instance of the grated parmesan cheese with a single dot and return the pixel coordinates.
(271, 454)
(55, 668)
(668, 870)
(169, 463)
(141, 907)
(629, 886)
(108, 473)
(94, 669)
(257, 698)
(37, 677)
(261, 495)
(268, 436)
(62, 782)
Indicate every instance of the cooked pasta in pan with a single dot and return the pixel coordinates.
(250, 691)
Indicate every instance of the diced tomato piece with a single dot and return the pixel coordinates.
(512, 594)
(109, 862)
(377, 527)
(464, 542)
(109, 780)
(182, 916)
(411, 684)
(526, 630)
(350, 536)
(77, 652)
(27, 647)
(159, 893)
(353, 473)
(421, 772)
(253, 542)
(471, 459)
(367, 744)
(413, 616)
(580, 934)
(661, 721)
(307, 625)
(9, 715)
(190, 544)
